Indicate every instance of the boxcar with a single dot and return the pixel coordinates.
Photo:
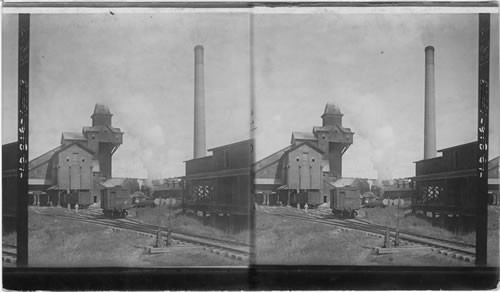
(115, 203)
(345, 202)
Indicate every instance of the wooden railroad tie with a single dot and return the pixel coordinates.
(389, 250)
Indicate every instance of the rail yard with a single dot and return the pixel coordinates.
(421, 248)
(226, 250)
(304, 209)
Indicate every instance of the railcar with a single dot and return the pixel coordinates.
(115, 204)
(345, 202)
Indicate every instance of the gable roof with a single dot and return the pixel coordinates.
(100, 127)
(343, 182)
(113, 182)
(309, 144)
(72, 136)
(271, 159)
(248, 141)
(46, 157)
(328, 128)
(302, 136)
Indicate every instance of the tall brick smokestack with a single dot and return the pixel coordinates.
(199, 104)
(430, 106)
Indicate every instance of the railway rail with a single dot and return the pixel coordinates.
(9, 253)
(454, 249)
(232, 249)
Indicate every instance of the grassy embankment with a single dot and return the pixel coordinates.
(296, 242)
(61, 242)
(184, 223)
(58, 242)
(411, 223)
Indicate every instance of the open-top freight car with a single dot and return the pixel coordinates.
(345, 201)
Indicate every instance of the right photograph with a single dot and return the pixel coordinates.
(367, 139)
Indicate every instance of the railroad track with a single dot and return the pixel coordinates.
(454, 249)
(9, 253)
(232, 249)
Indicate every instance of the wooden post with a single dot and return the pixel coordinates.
(482, 137)
(387, 239)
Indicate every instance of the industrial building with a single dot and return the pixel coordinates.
(494, 181)
(79, 164)
(304, 171)
(217, 185)
(220, 182)
(445, 184)
(9, 186)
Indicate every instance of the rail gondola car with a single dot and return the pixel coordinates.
(345, 202)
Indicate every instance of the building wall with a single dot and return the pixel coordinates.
(458, 158)
(243, 192)
(308, 175)
(93, 142)
(199, 165)
(461, 158)
(73, 168)
(101, 120)
(235, 157)
(335, 159)
(105, 159)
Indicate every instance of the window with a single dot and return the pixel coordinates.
(324, 199)
(226, 158)
(75, 157)
(455, 159)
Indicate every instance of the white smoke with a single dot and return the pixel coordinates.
(369, 120)
(143, 138)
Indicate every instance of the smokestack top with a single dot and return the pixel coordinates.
(198, 54)
(429, 55)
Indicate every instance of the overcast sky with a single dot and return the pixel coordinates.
(371, 66)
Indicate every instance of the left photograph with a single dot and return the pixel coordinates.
(140, 147)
